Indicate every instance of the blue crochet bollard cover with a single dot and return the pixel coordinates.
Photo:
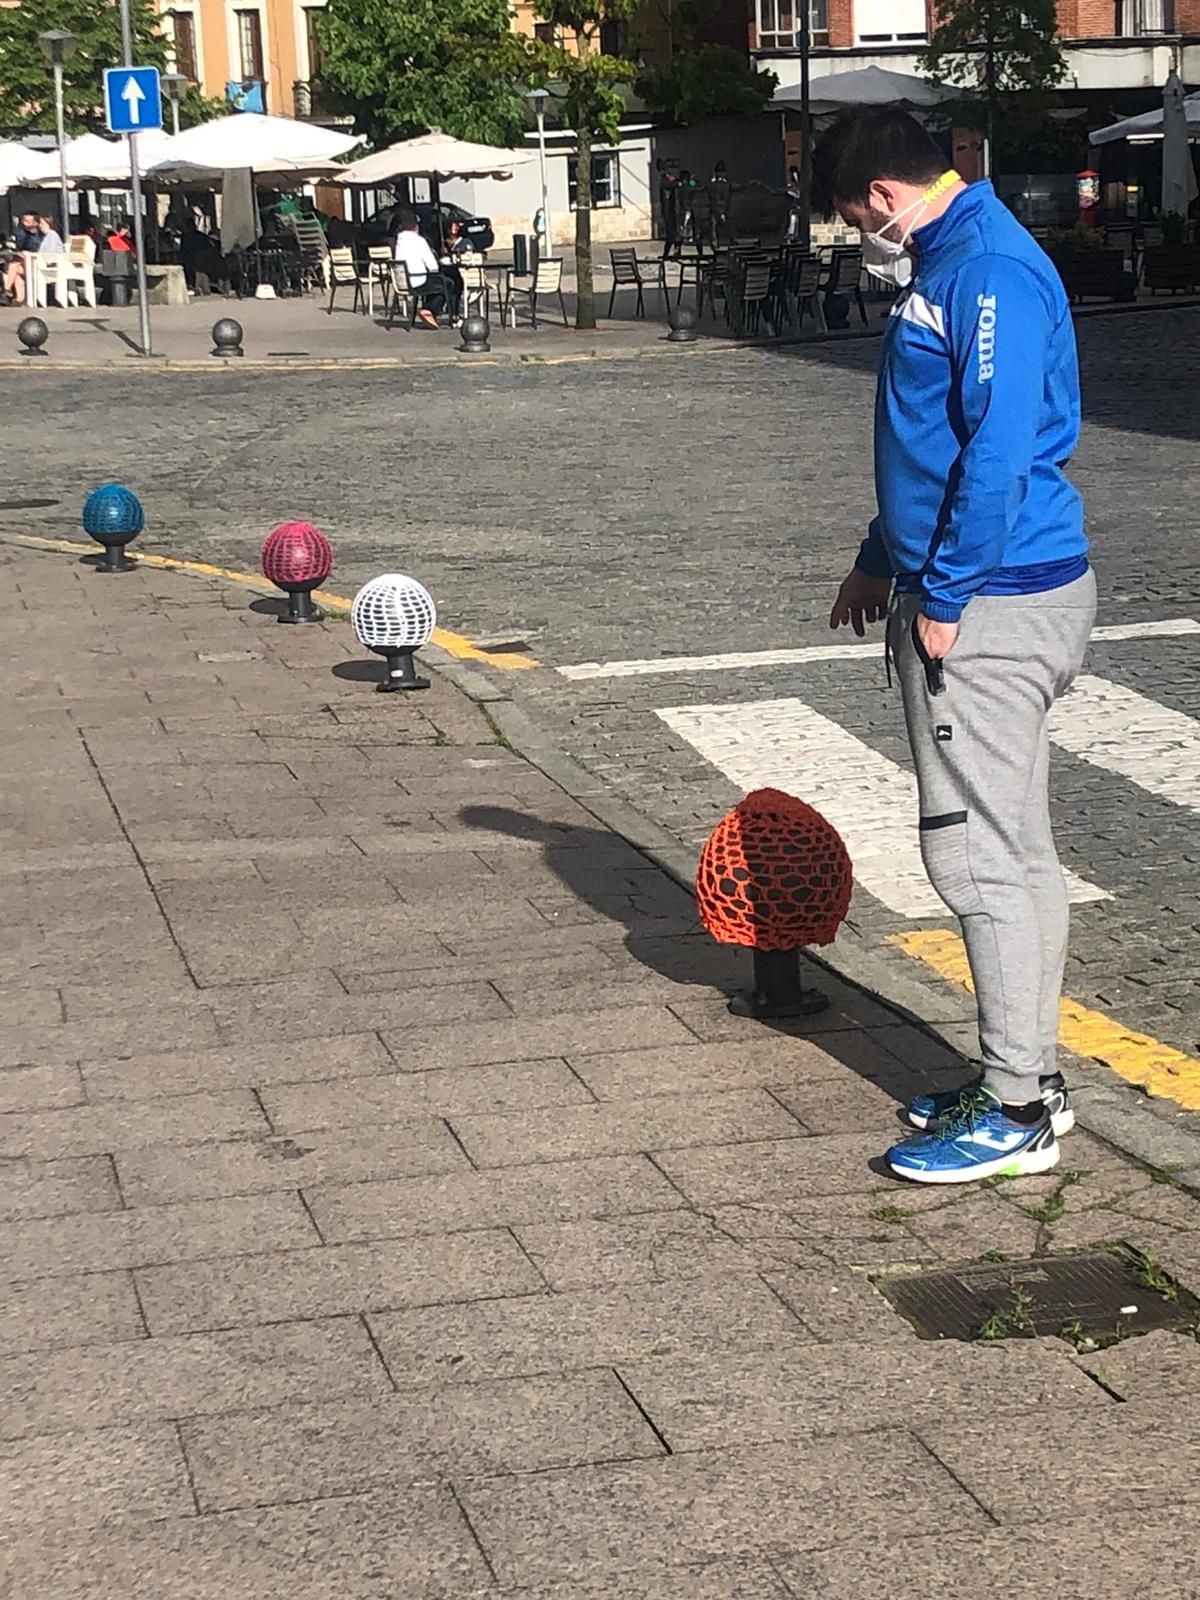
(113, 512)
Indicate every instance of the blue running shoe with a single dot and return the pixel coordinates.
(976, 1140)
(927, 1110)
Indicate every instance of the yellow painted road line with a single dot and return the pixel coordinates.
(1158, 1068)
(453, 644)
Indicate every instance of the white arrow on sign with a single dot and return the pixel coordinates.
(133, 95)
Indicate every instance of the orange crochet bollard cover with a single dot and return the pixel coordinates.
(774, 875)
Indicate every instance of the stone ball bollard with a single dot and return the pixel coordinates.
(475, 335)
(227, 337)
(33, 333)
(682, 320)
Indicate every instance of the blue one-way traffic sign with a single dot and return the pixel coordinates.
(132, 99)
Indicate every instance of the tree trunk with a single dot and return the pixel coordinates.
(585, 292)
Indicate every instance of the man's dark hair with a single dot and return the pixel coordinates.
(863, 146)
(406, 219)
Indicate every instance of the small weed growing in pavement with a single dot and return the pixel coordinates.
(880, 1238)
(1152, 1276)
(993, 1255)
(1052, 1208)
(890, 1214)
(1011, 1319)
(995, 1180)
(1075, 1333)
(1168, 1175)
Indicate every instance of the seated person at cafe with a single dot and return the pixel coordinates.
(423, 272)
(52, 241)
(27, 240)
(120, 237)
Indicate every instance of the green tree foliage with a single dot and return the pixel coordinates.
(700, 79)
(401, 67)
(27, 80)
(586, 84)
(1005, 57)
(706, 80)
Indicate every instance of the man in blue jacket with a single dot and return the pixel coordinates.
(979, 562)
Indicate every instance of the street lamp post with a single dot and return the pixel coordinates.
(175, 83)
(58, 46)
(537, 98)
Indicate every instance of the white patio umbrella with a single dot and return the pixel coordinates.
(247, 139)
(867, 86)
(1178, 174)
(23, 168)
(435, 156)
(96, 163)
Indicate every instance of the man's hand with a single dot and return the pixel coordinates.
(937, 637)
(860, 600)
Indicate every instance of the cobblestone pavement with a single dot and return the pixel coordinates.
(392, 1208)
(692, 506)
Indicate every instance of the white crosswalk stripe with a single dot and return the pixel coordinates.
(871, 801)
(1112, 727)
(664, 666)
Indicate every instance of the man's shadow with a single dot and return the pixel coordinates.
(663, 932)
(662, 928)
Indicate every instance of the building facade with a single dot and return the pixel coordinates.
(1111, 46)
(260, 55)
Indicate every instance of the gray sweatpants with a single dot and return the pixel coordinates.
(982, 760)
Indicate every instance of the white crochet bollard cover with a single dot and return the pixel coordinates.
(393, 612)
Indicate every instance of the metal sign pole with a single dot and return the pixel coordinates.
(135, 187)
(139, 242)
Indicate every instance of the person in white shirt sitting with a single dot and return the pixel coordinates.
(52, 243)
(423, 271)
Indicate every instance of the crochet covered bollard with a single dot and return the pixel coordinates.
(774, 876)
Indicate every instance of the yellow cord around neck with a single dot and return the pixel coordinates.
(939, 185)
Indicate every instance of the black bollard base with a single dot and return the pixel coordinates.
(301, 608)
(401, 673)
(115, 560)
(778, 993)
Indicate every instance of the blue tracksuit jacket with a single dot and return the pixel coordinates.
(976, 416)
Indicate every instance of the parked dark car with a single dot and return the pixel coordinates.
(380, 228)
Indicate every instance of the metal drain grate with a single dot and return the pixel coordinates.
(1095, 1299)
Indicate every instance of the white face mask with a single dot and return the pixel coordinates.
(891, 259)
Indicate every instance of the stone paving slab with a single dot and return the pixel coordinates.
(159, 1378)
(517, 1338)
(561, 1190)
(742, 1399)
(458, 1092)
(777, 1498)
(1106, 1555)
(93, 1479)
(51, 1313)
(147, 1236)
(439, 1233)
(1138, 1461)
(285, 1286)
(57, 1188)
(486, 1429)
(666, 1122)
(251, 1166)
(411, 1541)
(151, 1075)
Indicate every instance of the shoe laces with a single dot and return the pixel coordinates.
(972, 1104)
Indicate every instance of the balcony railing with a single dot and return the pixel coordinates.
(1142, 19)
